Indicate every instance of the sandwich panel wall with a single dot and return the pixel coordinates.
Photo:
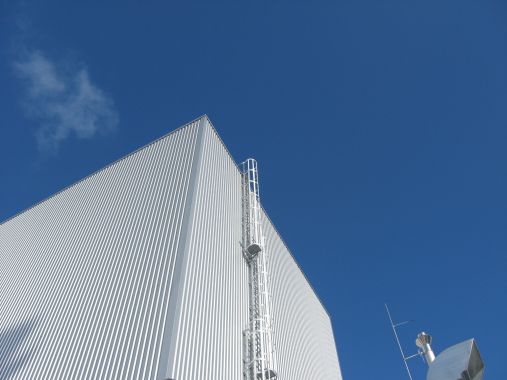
(303, 332)
(85, 276)
(137, 272)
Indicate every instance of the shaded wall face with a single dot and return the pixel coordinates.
(303, 333)
(85, 276)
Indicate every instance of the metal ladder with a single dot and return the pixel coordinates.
(259, 355)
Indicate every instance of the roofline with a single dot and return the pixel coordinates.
(101, 169)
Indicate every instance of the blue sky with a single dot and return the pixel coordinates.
(380, 128)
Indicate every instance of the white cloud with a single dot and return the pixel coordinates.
(64, 102)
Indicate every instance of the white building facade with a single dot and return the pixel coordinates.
(138, 272)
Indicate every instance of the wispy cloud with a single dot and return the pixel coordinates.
(64, 102)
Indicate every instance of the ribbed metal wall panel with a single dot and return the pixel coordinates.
(214, 294)
(303, 333)
(137, 272)
(85, 276)
(214, 298)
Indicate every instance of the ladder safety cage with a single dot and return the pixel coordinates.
(259, 355)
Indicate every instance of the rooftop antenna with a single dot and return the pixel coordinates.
(395, 332)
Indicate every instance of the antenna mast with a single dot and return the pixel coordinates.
(394, 326)
(259, 355)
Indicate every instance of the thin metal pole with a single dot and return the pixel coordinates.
(398, 341)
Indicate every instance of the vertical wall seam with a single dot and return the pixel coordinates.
(170, 333)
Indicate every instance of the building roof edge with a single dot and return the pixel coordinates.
(270, 221)
(101, 169)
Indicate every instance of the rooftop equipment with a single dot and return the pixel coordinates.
(459, 362)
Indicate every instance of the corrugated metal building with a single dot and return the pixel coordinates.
(137, 272)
